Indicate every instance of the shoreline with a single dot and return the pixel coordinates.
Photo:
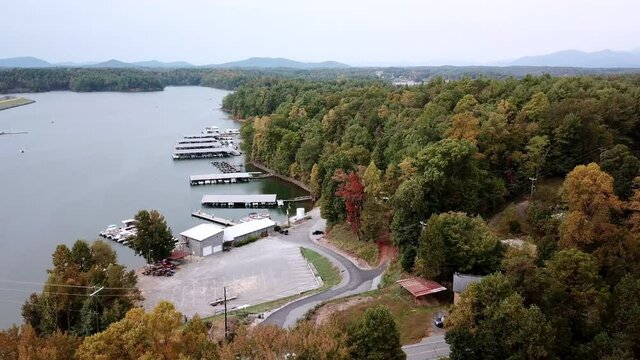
(17, 102)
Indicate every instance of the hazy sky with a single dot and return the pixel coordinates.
(355, 32)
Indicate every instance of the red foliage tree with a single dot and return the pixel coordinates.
(352, 192)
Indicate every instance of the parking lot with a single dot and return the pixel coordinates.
(266, 270)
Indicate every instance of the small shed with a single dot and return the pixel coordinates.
(257, 228)
(461, 282)
(203, 240)
(419, 287)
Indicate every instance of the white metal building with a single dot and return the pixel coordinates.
(242, 231)
(203, 240)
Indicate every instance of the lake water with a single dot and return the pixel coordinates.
(94, 159)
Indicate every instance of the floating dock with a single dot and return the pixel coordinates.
(199, 145)
(210, 179)
(205, 153)
(210, 217)
(252, 201)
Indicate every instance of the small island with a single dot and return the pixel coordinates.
(8, 102)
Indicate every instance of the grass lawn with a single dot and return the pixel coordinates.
(343, 238)
(413, 321)
(328, 273)
(7, 103)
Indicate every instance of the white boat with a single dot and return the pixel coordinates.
(212, 130)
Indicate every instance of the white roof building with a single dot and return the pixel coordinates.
(202, 232)
(236, 231)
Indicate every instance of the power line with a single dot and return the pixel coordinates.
(62, 285)
(62, 293)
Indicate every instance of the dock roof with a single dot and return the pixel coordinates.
(237, 175)
(202, 232)
(243, 198)
(204, 151)
(420, 287)
(249, 227)
(208, 144)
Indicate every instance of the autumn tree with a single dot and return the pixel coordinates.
(154, 239)
(150, 335)
(375, 336)
(454, 242)
(352, 192)
(592, 205)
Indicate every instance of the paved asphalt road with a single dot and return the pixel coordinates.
(354, 281)
(433, 347)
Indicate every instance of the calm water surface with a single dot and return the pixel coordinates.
(95, 159)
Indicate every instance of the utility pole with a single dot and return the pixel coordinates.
(533, 184)
(288, 221)
(226, 333)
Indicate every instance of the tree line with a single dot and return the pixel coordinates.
(428, 162)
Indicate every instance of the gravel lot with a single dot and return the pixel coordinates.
(266, 270)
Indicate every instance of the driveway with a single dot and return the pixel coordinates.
(433, 347)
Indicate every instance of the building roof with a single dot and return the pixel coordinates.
(244, 198)
(420, 287)
(462, 281)
(202, 232)
(237, 175)
(235, 231)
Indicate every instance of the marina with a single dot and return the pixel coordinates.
(246, 200)
(229, 178)
(225, 167)
(212, 218)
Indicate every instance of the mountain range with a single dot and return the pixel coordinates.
(565, 58)
(254, 62)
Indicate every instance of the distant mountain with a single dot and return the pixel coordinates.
(576, 58)
(160, 64)
(112, 64)
(24, 62)
(265, 62)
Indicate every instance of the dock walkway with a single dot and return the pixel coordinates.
(210, 217)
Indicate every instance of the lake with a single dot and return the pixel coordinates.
(94, 159)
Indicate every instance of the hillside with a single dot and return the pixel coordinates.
(23, 62)
(576, 58)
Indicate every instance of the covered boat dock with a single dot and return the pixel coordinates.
(228, 178)
(246, 200)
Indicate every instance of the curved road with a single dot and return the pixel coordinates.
(354, 280)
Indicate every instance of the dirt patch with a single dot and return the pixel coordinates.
(326, 312)
(387, 252)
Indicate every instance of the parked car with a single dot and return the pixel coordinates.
(439, 320)
(318, 232)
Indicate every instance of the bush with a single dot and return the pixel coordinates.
(277, 228)
(245, 241)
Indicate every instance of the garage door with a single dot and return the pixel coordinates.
(217, 248)
(207, 250)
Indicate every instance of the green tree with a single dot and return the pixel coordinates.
(620, 163)
(375, 336)
(454, 242)
(490, 321)
(154, 239)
